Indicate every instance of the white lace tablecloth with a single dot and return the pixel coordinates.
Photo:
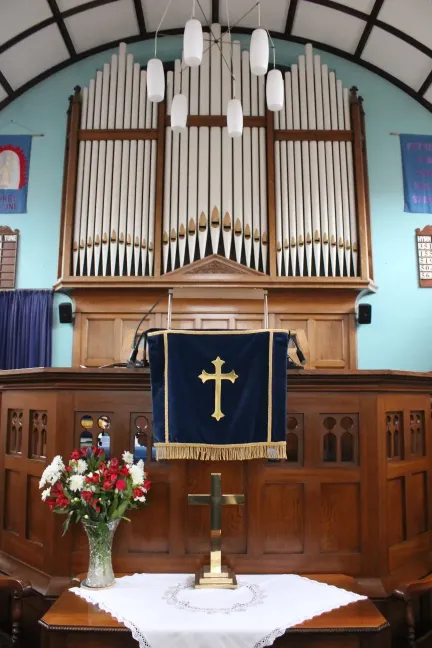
(165, 611)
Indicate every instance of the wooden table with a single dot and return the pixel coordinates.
(73, 623)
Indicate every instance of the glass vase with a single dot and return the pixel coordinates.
(100, 537)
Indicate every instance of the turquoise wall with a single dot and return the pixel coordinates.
(399, 336)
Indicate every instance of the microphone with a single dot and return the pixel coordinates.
(132, 362)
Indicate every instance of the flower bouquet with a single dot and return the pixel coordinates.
(96, 493)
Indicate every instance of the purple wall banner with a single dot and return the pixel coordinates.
(14, 170)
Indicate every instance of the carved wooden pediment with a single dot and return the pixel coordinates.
(216, 265)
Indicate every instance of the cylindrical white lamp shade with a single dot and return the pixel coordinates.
(155, 80)
(275, 90)
(259, 52)
(193, 43)
(179, 113)
(234, 118)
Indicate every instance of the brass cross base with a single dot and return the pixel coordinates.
(226, 579)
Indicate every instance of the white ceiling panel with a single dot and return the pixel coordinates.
(397, 58)
(103, 24)
(32, 56)
(329, 26)
(177, 15)
(417, 23)
(18, 15)
(361, 5)
(3, 93)
(273, 14)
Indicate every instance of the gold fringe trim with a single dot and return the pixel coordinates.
(209, 452)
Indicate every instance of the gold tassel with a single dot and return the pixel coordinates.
(166, 451)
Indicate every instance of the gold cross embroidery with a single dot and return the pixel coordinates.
(218, 376)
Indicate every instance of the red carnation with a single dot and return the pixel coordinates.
(124, 471)
(62, 501)
(75, 455)
(57, 489)
(121, 484)
(51, 502)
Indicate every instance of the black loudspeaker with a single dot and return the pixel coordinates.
(65, 313)
(364, 315)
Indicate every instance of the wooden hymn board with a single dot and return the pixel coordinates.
(424, 254)
(8, 256)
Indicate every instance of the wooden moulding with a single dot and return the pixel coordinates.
(360, 175)
(69, 184)
(128, 134)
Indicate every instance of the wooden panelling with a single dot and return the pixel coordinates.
(363, 517)
(105, 322)
(340, 518)
(331, 343)
(36, 509)
(100, 341)
(284, 507)
(12, 496)
(418, 503)
(396, 512)
(149, 533)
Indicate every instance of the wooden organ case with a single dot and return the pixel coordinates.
(284, 208)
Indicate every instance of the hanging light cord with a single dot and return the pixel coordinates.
(160, 24)
(273, 48)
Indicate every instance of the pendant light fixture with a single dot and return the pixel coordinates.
(155, 71)
(275, 90)
(234, 108)
(274, 86)
(234, 118)
(193, 42)
(259, 52)
(179, 113)
(155, 80)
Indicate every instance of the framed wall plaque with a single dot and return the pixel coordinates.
(424, 254)
(8, 256)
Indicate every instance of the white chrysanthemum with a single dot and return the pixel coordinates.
(52, 473)
(80, 466)
(45, 494)
(137, 474)
(128, 457)
(76, 483)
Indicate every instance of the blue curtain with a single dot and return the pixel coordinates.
(25, 328)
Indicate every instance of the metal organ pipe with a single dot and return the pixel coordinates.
(329, 172)
(351, 187)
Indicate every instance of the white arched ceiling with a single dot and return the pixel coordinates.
(390, 37)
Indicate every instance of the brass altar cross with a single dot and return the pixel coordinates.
(218, 376)
(215, 575)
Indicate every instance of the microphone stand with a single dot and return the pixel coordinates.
(132, 362)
